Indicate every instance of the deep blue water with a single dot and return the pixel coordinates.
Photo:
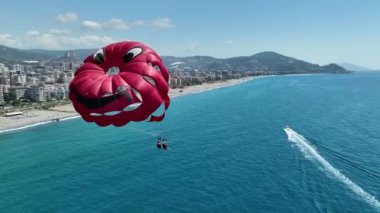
(228, 153)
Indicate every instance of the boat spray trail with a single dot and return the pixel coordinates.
(310, 151)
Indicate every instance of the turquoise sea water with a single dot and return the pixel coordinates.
(228, 153)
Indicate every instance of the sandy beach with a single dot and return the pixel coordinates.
(39, 117)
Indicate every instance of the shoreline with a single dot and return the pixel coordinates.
(32, 118)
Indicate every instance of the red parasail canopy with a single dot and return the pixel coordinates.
(133, 93)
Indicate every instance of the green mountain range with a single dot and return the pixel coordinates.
(264, 61)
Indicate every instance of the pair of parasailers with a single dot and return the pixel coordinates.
(161, 143)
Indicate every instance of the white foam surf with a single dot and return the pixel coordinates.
(309, 151)
(70, 118)
(25, 127)
(36, 124)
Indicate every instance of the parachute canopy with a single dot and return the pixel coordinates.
(122, 82)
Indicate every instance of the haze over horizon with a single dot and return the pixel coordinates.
(319, 32)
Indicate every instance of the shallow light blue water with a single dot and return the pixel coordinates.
(228, 152)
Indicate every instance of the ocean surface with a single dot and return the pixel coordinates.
(228, 153)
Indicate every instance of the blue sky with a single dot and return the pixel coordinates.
(318, 31)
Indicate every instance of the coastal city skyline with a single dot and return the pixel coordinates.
(320, 32)
(27, 82)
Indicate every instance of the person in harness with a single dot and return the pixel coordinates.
(158, 143)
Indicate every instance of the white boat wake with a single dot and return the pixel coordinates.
(310, 151)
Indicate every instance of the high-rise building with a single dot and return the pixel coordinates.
(61, 93)
(18, 67)
(19, 80)
(37, 93)
(1, 94)
(5, 80)
(2, 67)
(18, 92)
(69, 54)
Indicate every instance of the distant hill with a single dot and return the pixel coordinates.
(14, 54)
(9, 54)
(354, 67)
(264, 61)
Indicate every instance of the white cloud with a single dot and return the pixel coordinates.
(91, 25)
(161, 23)
(92, 41)
(113, 24)
(33, 33)
(59, 32)
(138, 23)
(157, 23)
(67, 17)
(192, 46)
(119, 24)
(59, 41)
(228, 42)
(116, 24)
(46, 40)
(8, 40)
